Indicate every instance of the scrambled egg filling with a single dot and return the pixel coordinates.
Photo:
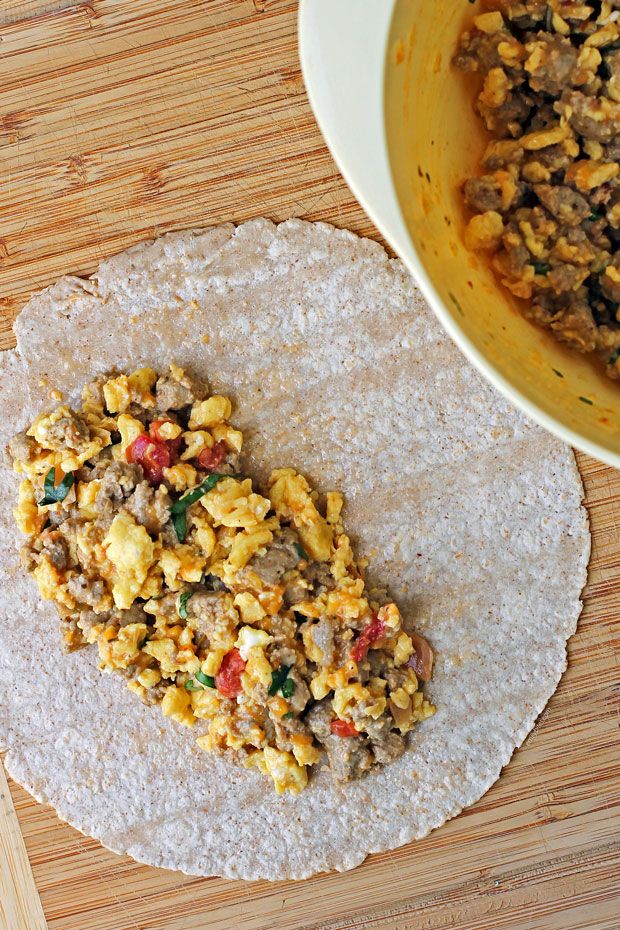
(241, 611)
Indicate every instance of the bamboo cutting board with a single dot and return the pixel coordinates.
(124, 119)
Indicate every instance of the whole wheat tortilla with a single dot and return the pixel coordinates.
(470, 514)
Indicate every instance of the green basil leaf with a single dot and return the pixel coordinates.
(288, 715)
(191, 497)
(202, 681)
(541, 268)
(179, 521)
(183, 599)
(301, 552)
(277, 679)
(179, 508)
(56, 493)
(288, 688)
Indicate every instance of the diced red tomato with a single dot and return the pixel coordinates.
(422, 659)
(209, 459)
(152, 455)
(156, 458)
(153, 452)
(343, 728)
(371, 633)
(135, 451)
(228, 679)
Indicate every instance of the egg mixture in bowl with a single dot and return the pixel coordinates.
(546, 201)
(436, 141)
(243, 613)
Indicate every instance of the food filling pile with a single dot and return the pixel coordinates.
(243, 612)
(548, 205)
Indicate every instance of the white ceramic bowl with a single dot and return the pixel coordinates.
(398, 120)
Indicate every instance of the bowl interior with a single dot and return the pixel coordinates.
(435, 141)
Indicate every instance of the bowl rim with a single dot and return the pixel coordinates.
(321, 72)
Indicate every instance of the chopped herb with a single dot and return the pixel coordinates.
(288, 715)
(179, 522)
(202, 682)
(192, 496)
(613, 358)
(299, 618)
(556, 372)
(288, 688)
(541, 268)
(56, 493)
(179, 508)
(595, 215)
(586, 400)
(183, 599)
(301, 552)
(277, 679)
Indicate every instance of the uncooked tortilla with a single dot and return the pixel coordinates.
(470, 514)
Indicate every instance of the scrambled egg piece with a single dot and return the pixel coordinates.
(28, 517)
(233, 503)
(125, 648)
(289, 493)
(287, 774)
(130, 429)
(130, 550)
(249, 639)
(247, 544)
(177, 703)
(211, 412)
(87, 498)
(183, 563)
(181, 477)
(125, 390)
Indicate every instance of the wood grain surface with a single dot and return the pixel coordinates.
(123, 119)
(20, 904)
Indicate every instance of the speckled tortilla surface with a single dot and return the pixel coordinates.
(471, 516)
